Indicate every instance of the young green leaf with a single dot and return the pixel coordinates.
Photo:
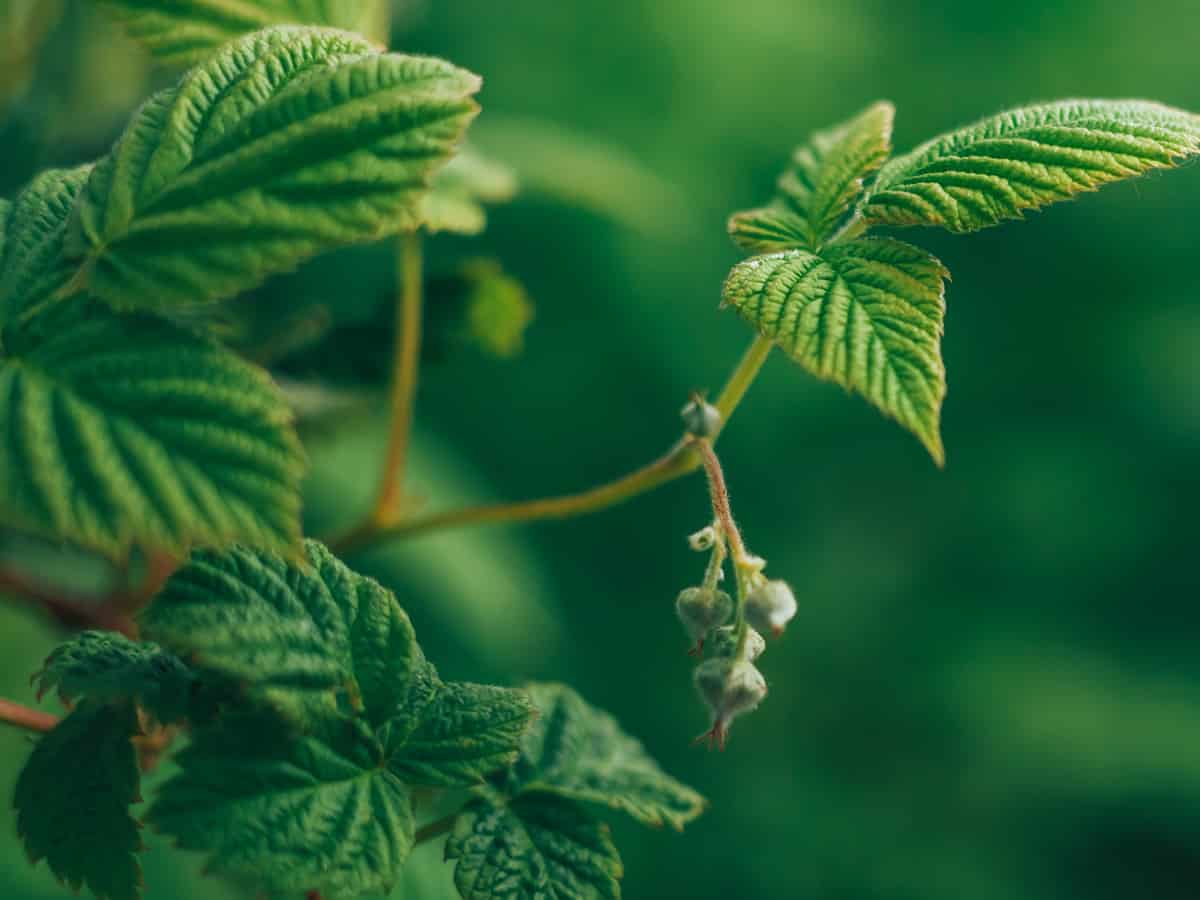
(73, 798)
(303, 637)
(479, 306)
(286, 143)
(289, 815)
(185, 31)
(467, 731)
(579, 752)
(544, 847)
(455, 202)
(823, 183)
(107, 666)
(32, 229)
(126, 429)
(866, 314)
(1028, 158)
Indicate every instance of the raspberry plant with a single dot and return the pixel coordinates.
(309, 730)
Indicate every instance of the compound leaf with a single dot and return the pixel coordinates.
(289, 815)
(286, 143)
(185, 31)
(32, 229)
(127, 429)
(107, 666)
(73, 797)
(543, 847)
(306, 638)
(455, 202)
(466, 732)
(1028, 158)
(866, 314)
(818, 190)
(579, 752)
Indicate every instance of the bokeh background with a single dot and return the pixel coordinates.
(992, 690)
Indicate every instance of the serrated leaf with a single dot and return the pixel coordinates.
(32, 230)
(303, 637)
(315, 813)
(466, 732)
(110, 667)
(576, 751)
(72, 800)
(455, 202)
(824, 181)
(126, 429)
(536, 848)
(285, 143)
(1027, 158)
(866, 314)
(185, 31)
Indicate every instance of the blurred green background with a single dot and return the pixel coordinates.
(992, 690)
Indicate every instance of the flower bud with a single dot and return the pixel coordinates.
(704, 539)
(702, 609)
(701, 419)
(770, 605)
(723, 642)
(729, 687)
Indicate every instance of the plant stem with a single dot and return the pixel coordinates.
(719, 494)
(23, 717)
(680, 460)
(405, 363)
(106, 613)
(435, 829)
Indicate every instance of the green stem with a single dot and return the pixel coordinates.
(680, 460)
(405, 364)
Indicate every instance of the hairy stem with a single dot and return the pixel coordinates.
(23, 717)
(680, 460)
(435, 829)
(106, 613)
(405, 363)
(719, 494)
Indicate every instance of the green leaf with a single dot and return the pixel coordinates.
(1028, 158)
(866, 314)
(73, 798)
(479, 306)
(287, 143)
(542, 847)
(185, 31)
(289, 815)
(579, 752)
(107, 666)
(455, 203)
(467, 731)
(306, 638)
(32, 229)
(125, 430)
(818, 190)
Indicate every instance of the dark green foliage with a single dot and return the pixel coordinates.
(73, 800)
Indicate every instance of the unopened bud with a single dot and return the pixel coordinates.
(770, 606)
(704, 539)
(701, 419)
(702, 609)
(723, 642)
(729, 687)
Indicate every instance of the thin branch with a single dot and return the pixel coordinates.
(435, 829)
(23, 717)
(719, 494)
(69, 611)
(405, 365)
(680, 460)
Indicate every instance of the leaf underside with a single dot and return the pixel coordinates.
(73, 798)
(123, 430)
(866, 314)
(286, 143)
(185, 31)
(1027, 158)
(536, 848)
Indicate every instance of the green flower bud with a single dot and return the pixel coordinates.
(702, 609)
(701, 419)
(770, 605)
(723, 642)
(704, 539)
(729, 687)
